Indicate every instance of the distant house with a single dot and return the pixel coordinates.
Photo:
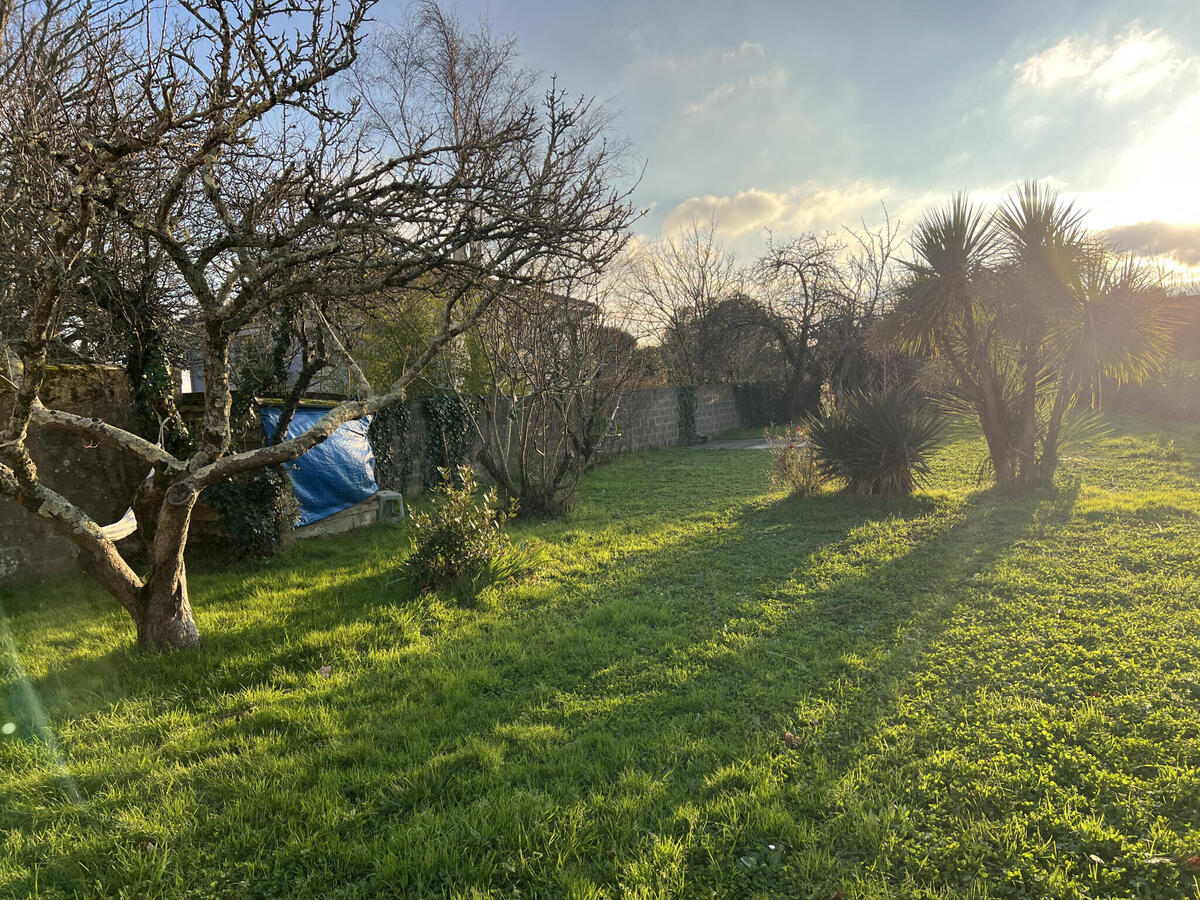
(333, 380)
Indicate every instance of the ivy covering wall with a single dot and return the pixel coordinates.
(685, 397)
(449, 434)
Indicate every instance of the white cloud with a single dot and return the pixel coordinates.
(734, 215)
(1126, 67)
(811, 206)
(764, 83)
(748, 49)
(711, 100)
(1180, 242)
(728, 122)
(743, 73)
(1115, 122)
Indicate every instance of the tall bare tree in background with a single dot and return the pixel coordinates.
(820, 295)
(676, 283)
(212, 131)
(849, 356)
(798, 284)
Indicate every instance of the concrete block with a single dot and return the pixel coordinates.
(391, 506)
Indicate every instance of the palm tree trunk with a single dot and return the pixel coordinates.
(1048, 463)
(993, 417)
(1026, 456)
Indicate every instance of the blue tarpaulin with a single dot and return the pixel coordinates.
(333, 475)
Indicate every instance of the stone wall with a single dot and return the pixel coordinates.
(645, 420)
(101, 480)
(649, 419)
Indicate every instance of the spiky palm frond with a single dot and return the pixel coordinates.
(1082, 426)
(951, 245)
(1043, 242)
(1035, 218)
(878, 443)
(1119, 329)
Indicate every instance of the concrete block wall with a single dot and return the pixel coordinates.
(715, 410)
(410, 454)
(649, 419)
(645, 420)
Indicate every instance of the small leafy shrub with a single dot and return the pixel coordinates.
(461, 542)
(257, 512)
(878, 443)
(513, 563)
(793, 460)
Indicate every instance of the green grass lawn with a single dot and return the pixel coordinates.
(982, 697)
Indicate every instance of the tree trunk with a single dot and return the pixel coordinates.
(1048, 463)
(1025, 461)
(165, 620)
(995, 422)
(1001, 459)
(164, 614)
(991, 420)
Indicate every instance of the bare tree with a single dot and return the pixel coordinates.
(676, 283)
(740, 335)
(821, 294)
(556, 364)
(847, 355)
(798, 283)
(212, 130)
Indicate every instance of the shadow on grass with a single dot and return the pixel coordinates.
(238, 654)
(678, 665)
(687, 710)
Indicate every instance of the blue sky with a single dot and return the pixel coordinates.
(794, 116)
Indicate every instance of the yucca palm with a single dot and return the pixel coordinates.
(953, 245)
(1031, 314)
(1043, 245)
(878, 444)
(947, 311)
